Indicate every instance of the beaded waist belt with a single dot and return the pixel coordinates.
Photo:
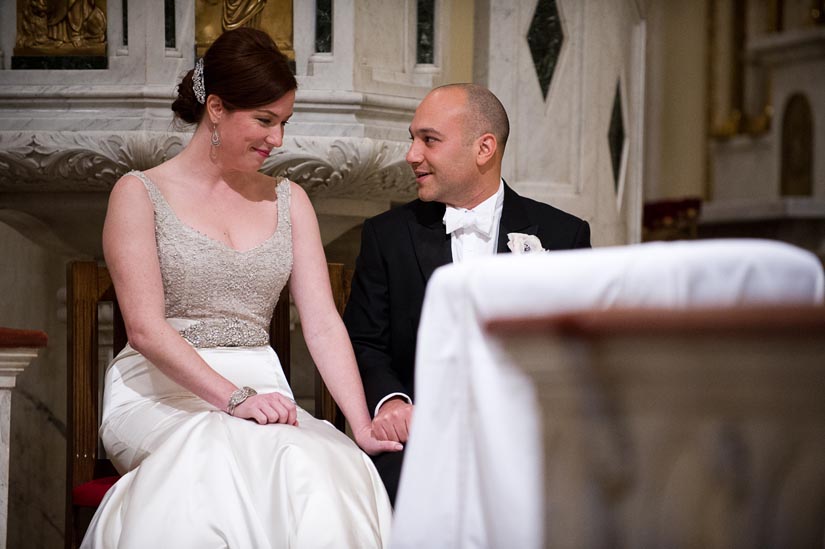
(225, 332)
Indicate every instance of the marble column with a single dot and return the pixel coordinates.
(17, 350)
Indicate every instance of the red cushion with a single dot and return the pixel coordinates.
(90, 494)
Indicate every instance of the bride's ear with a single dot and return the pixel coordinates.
(214, 108)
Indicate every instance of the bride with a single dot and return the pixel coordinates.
(197, 413)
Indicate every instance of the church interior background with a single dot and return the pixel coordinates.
(652, 119)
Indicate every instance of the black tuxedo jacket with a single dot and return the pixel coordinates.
(400, 249)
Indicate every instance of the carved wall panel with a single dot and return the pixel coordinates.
(50, 34)
(212, 17)
(61, 27)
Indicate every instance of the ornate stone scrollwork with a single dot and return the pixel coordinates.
(345, 167)
(78, 161)
(93, 161)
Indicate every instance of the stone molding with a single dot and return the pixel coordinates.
(345, 167)
(12, 364)
(79, 161)
(91, 161)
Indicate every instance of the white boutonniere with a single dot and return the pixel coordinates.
(520, 243)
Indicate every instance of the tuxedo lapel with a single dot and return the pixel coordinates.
(430, 240)
(514, 219)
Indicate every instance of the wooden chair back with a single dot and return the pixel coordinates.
(88, 285)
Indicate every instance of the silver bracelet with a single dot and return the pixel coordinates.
(237, 397)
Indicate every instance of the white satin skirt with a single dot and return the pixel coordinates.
(196, 477)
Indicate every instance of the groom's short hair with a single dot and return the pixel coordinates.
(485, 113)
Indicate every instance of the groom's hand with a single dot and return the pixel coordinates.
(393, 421)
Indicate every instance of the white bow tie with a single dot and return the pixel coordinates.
(481, 222)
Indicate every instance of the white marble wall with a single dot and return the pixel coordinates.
(558, 150)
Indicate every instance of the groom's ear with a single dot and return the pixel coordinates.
(487, 146)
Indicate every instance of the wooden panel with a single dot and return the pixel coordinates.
(754, 320)
(82, 293)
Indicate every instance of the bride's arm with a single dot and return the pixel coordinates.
(131, 255)
(324, 331)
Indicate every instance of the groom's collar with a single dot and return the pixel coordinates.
(432, 243)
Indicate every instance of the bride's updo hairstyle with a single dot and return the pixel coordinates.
(244, 68)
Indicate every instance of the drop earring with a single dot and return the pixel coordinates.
(215, 142)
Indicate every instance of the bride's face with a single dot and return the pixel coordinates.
(249, 135)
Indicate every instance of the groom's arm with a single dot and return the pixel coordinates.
(367, 318)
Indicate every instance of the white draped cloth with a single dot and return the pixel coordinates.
(472, 473)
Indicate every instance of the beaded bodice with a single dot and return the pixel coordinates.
(230, 294)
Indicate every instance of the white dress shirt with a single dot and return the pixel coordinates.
(474, 233)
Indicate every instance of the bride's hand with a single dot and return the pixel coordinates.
(371, 445)
(268, 408)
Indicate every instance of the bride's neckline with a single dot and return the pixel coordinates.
(201, 234)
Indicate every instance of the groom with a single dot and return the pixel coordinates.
(464, 210)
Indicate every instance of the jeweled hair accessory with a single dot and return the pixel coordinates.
(197, 82)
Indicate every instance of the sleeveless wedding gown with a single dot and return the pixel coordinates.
(195, 477)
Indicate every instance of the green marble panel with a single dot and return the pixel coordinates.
(425, 32)
(545, 37)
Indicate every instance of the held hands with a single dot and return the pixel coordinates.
(268, 408)
(276, 408)
(393, 421)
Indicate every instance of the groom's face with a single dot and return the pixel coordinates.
(440, 154)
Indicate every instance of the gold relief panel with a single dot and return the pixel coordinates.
(213, 17)
(61, 28)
